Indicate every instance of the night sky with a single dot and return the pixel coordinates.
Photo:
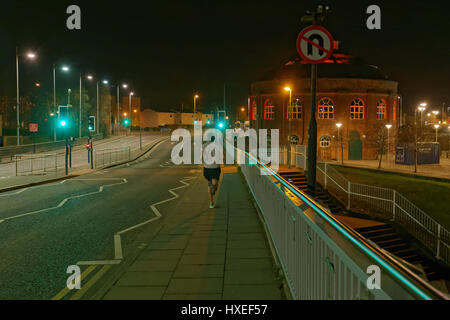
(166, 50)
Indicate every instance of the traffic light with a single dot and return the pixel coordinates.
(126, 121)
(91, 123)
(208, 122)
(63, 116)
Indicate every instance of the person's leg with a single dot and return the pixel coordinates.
(214, 186)
(211, 193)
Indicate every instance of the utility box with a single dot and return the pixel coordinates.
(427, 153)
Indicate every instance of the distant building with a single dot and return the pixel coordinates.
(349, 92)
(152, 119)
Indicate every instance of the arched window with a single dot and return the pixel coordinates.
(326, 108)
(325, 141)
(381, 110)
(269, 109)
(297, 109)
(357, 109)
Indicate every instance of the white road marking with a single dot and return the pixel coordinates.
(118, 253)
(85, 263)
(64, 201)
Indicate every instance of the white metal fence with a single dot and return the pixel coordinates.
(33, 164)
(387, 203)
(111, 156)
(319, 258)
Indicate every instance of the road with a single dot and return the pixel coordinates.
(45, 229)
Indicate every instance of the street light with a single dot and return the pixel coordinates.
(30, 55)
(437, 127)
(339, 125)
(289, 121)
(388, 126)
(65, 69)
(98, 104)
(421, 108)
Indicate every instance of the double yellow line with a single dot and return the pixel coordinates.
(79, 293)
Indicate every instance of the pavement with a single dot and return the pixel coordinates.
(203, 253)
(441, 170)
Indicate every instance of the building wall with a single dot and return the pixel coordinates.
(341, 92)
(153, 119)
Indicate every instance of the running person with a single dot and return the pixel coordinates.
(212, 173)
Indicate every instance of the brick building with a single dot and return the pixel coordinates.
(349, 92)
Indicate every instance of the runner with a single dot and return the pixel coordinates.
(212, 173)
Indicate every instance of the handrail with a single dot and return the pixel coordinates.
(409, 278)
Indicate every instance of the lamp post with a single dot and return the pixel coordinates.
(421, 108)
(388, 126)
(30, 55)
(341, 155)
(195, 107)
(65, 69)
(89, 77)
(289, 125)
(129, 108)
(436, 126)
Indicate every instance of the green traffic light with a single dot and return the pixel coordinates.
(63, 123)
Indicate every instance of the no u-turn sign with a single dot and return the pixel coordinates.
(315, 44)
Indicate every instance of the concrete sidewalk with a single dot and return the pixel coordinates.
(203, 253)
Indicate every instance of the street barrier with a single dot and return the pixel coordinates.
(7, 153)
(32, 164)
(321, 257)
(107, 157)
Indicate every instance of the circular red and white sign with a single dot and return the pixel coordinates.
(315, 44)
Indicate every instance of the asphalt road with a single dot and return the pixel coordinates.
(45, 229)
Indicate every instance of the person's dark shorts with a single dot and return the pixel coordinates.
(211, 173)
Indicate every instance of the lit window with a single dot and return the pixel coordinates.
(269, 109)
(325, 141)
(381, 110)
(357, 109)
(297, 109)
(326, 108)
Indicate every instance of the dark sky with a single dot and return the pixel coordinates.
(168, 49)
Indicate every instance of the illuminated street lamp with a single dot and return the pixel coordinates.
(289, 123)
(437, 127)
(422, 108)
(29, 55)
(341, 155)
(388, 126)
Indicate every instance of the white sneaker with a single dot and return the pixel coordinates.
(211, 205)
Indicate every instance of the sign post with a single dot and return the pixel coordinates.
(315, 45)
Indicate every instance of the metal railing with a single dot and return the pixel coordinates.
(322, 258)
(384, 202)
(111, 156)
(39, 163)
(8, 153)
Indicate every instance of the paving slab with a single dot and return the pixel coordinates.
(202, 259)
(145, 278)
(251, 292)
(247, 263)
(154, 265)
(196, 286)
(196, 271)
(160, 255)
(135, 293)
